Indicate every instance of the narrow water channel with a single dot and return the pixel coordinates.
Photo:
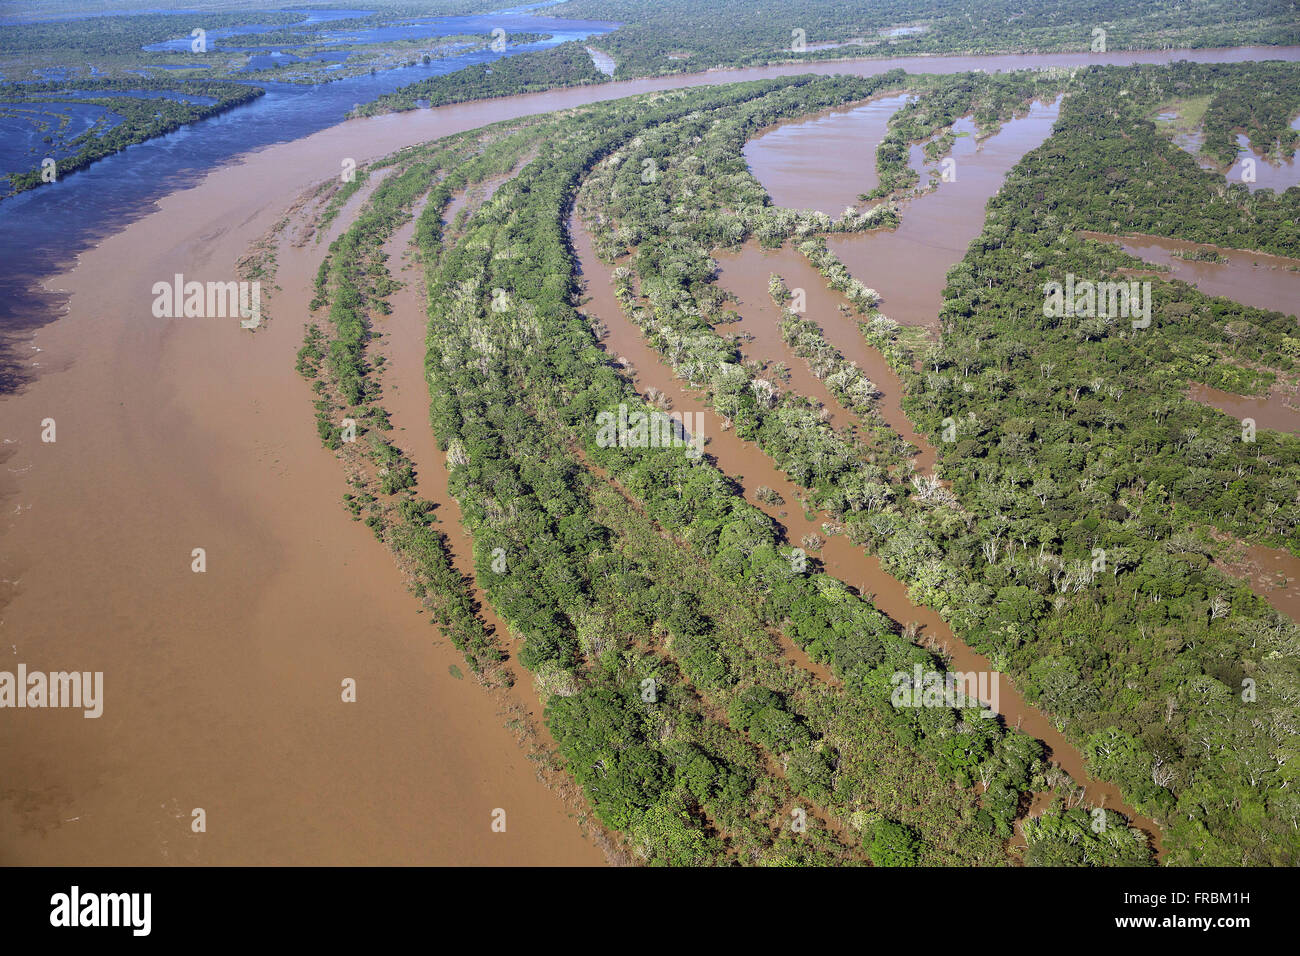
(751, 468)
(745, 272)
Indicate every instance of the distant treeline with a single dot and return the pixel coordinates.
(91, 37)
(683, 36)
(568, 64)
(670, 36)
(1263, 112)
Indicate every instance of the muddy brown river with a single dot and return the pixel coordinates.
(222, 688)
(745, 273)
(908, 266)
(1251, 278)
(823, 163)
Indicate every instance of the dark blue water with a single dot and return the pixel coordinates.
(24, 140)
(43, 229)
(270, 61)
(269, 56)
